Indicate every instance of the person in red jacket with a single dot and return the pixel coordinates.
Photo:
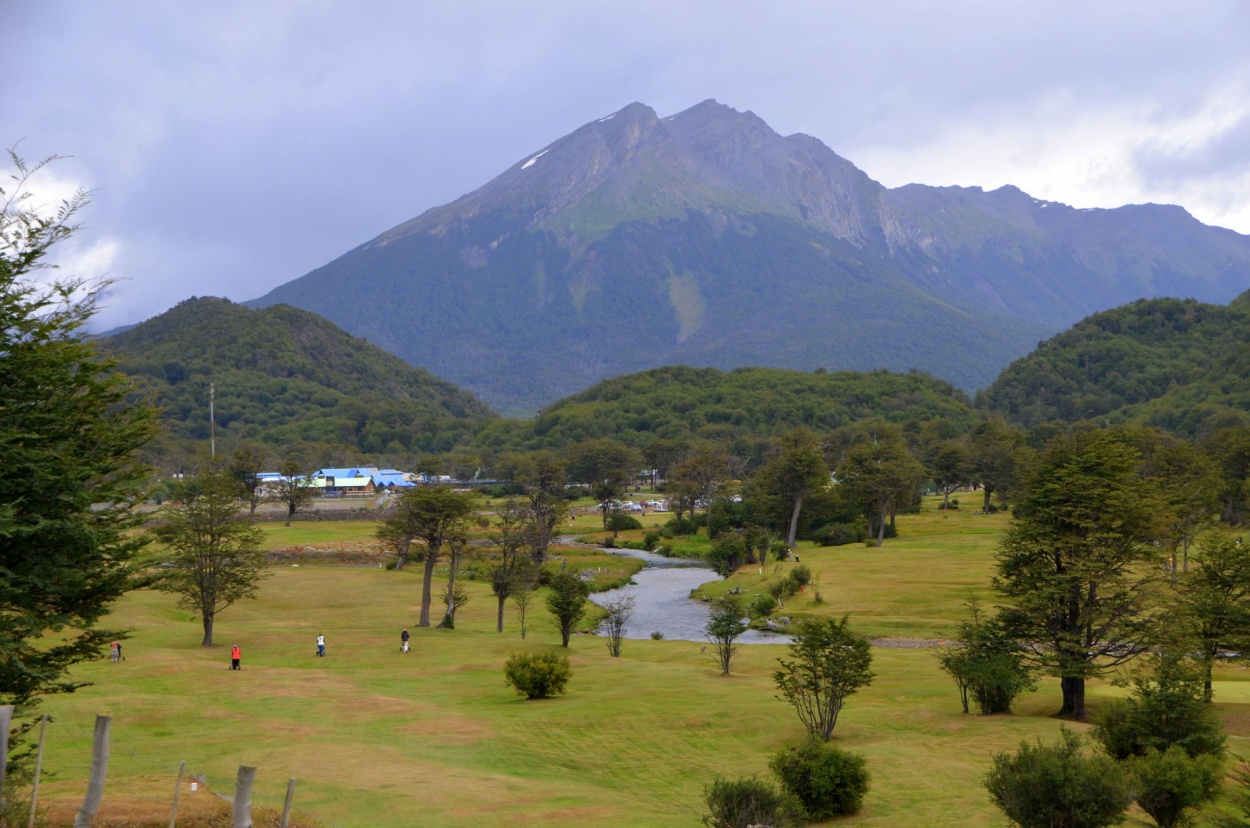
(235, 656)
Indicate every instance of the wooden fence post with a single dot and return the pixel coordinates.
(286, 806)
(173, 811)
(34, 788)
(6, 719)
(99, 771)
(243, 797)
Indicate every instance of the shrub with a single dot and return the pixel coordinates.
(1171, 783)
(1167, 708)
(829, 781)
(840, 534)
(746, 802)
(538, 675)
(988, 664)
(621, 522)
(782, 589)
(685, 526)
(778, 549)
(761, 606)
(801, 575)
(726, 556)
(1054, 785)
(651, 539)
(657, 636)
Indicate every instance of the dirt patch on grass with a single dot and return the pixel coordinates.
(448, 730)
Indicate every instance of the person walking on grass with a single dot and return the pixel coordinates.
(115, 652)
(236, 655)
(403, 641)
(321, 645)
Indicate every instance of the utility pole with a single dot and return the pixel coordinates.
(212, 421)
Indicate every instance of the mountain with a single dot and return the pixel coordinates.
(289, 380)
(706, 238)
(1179, 365)
(676, 404)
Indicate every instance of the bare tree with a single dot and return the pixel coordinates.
(619, 610)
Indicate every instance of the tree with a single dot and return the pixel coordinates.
(1076, 562)
(542, 476)
(618, 612)
(795, 471)
(605, 465)
(1216, 598)
(1240, 799)
(1166, 709)
(214, 554)
(567, 602)
(950, 466)
(1173, 782)
(829, 663)
(994, 454)
(69, 434)
(1229, 448)
(1190, 483)
(246, 464)
(513, 542)
(291, 489)
(987, 665)
(434, 517)
(724, 625)
(1054, 786)
(704, 474)
(522, 593)
(882, 477)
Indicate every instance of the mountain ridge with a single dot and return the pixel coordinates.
(706, 238)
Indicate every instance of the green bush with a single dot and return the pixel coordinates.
(778, 549)
(651, 539)
(1044, 786)
(685, 526)
(801, 575)
(782, 589)
(621, 522)
(829, 781)
(745, 802)
(761, 606)
(1167, 708)
(538, 675)
(840, 534)
(1171, 783)
(726, 555)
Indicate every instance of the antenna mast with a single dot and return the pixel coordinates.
(212, 421)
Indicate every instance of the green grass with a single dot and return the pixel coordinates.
(377, 738)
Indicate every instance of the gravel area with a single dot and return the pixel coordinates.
(907, 643)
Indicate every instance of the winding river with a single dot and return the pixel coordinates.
(662, 602)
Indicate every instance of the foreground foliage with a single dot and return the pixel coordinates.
(68, 441)
(1171, 783)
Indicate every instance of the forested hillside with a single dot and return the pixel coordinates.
(1180, 365)
(679, 404)
(291, 381)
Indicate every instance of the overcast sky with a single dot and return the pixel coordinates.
(234, 146)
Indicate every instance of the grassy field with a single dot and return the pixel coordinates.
(435, 738)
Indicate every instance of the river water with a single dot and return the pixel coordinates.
(662, 602)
